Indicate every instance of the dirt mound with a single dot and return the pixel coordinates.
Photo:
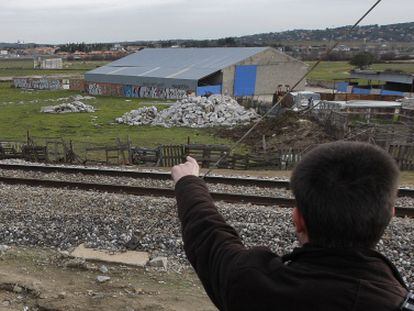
(289, 130)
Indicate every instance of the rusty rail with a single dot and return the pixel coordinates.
(144, 191)
(149, 175)
(402, 192)
(165, 192)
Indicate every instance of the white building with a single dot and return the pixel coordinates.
(48, 63)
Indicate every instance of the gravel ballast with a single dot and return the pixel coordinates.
(66, 218)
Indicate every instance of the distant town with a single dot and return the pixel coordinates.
(386, 42)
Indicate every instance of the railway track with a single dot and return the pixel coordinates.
(165, 192)
(234, 181)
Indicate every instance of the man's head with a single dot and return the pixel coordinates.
(345, 194)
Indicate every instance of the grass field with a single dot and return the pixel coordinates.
(329, 71)
(20, 111)
(16, 64)
(15, 68)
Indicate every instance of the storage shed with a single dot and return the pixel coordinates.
(175, 72)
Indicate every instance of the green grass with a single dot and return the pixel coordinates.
(16, 64)
(329, 71)
(20, 111)
(406, 67)
(19, 68)
(83, 65)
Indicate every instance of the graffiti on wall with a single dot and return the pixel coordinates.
(37, 83)
(134, 91)
(94, 89)
(152, 92)
(107, 89)
(77, 84)
(21, 83)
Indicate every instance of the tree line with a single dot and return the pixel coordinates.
(84, 47)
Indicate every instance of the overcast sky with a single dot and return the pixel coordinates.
(60, 21)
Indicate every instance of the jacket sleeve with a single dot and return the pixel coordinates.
(211, 245)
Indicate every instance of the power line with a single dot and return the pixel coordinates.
(258, 121)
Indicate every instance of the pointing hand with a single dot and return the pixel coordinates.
(188, 168)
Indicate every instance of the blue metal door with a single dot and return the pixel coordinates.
(208, 89)
(245, 80)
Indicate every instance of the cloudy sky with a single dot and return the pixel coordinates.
(61, 21)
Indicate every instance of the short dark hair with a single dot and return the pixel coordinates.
(345, 192)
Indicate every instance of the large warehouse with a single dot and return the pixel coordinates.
(175, 72)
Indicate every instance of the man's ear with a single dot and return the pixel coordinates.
(300, 226)
(298, 221)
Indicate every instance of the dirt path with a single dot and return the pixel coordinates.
(42, 279)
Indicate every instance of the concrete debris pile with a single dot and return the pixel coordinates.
(80, 97)
(141, 116)
(198, 112)
(195, 112)
(407, 102)
(74, 106)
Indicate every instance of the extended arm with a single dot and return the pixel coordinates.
(211, 245)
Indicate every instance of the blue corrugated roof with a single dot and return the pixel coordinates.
(177, 63)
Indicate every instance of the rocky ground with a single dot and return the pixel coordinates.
(62, 219)
(43, 279)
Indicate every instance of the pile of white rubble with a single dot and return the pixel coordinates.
(141, 116)
(195, 112)
(407, 102)
(74, 106)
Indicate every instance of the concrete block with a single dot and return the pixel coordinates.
(132, 258)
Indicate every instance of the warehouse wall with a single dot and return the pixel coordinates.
(150, 82)
(77, 85)
(135, 91)
(270, 76)
(273, 68)
(228, 80)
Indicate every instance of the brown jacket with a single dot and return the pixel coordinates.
(310, 278)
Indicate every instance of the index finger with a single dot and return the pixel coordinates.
(191, 160)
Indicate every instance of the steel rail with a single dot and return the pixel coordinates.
(149, 175)
(165, 192)
(234, 181)
(143, 191)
